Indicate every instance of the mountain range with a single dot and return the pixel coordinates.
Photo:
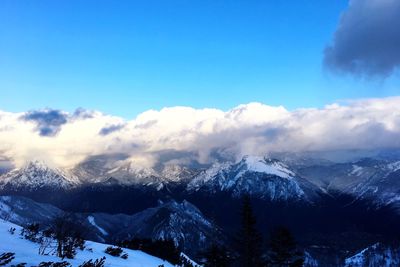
(261, 177)
(325, 203)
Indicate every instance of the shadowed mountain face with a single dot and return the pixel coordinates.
(370, 179)
(182, 222)
(21, 210)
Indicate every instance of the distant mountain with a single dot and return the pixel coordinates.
(37, 175)
(292, 178)
(265, 178)
(181, 222)
(118, 170)
(22, 210)
(372, 179)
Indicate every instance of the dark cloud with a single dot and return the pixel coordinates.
(81, 113)
(110, 129)
(48, 122)
(367, 40)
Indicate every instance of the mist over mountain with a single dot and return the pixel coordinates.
(184, 135)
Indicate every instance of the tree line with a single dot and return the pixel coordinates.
(249, 250)
(64, 236)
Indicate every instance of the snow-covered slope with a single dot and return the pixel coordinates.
(27, 252)
(35, 175)
(257, 176)
(375, 255)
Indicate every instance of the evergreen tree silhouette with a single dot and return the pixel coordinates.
(216, 256)
(249, 240)
(283, 249)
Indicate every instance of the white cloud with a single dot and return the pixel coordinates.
(204, 134)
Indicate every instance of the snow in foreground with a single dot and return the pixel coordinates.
(27, 252)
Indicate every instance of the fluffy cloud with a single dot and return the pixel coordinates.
(184, 134)
(367, 40)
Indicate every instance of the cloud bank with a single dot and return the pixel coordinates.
(182, 134)
(367, 39)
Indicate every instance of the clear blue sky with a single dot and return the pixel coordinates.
(124, 57)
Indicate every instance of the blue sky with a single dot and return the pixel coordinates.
(125, 57)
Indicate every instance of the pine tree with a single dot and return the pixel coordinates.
(283, 250)
(249, 240)
(216, 256)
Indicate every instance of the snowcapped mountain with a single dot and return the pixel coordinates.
(370, 179)
(129, 173)
(257, 176)
(115, 168)
(270, 179)
(36, 175)
(177, 174)
(381, 182)
(118, 170)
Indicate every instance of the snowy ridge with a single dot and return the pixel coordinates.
(374, 180)
(268, 166)
(36, 174)
(257, 176)
(375, 255)
(116, 171)
(27, 252)
(394, 166)
(246, 164)
(129, 173)
(176, 173)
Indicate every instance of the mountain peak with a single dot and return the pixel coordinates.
(266, 165)
(256, 176)
(37, 174)
(36, 164)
